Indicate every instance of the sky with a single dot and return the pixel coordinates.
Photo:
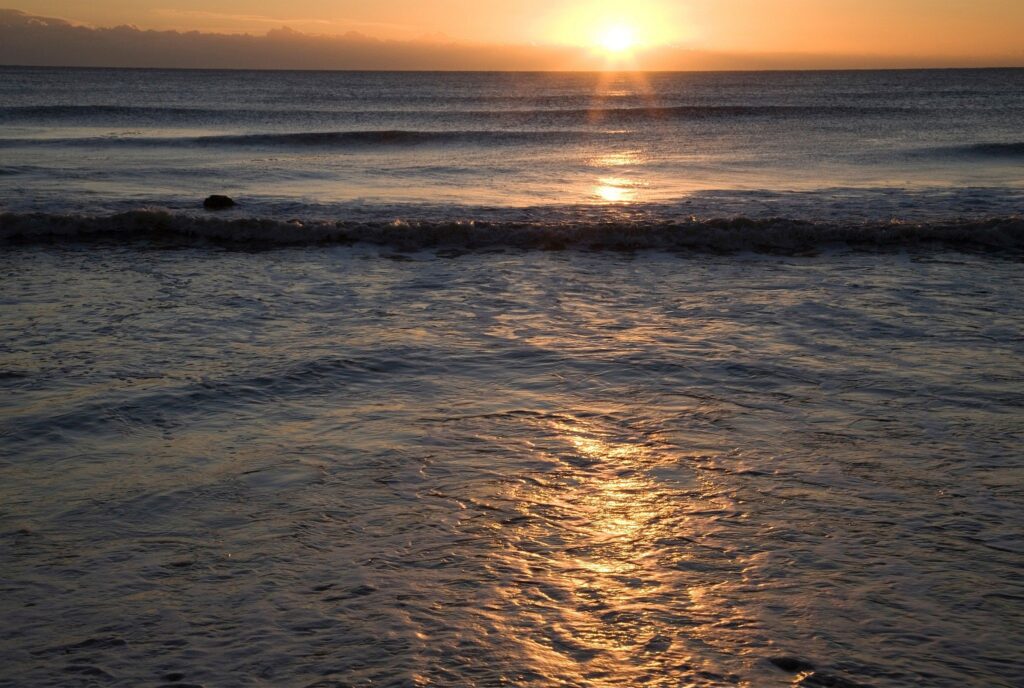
(546, 34)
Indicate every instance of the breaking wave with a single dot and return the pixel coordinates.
(771, 235)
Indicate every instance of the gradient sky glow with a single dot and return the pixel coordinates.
(940, 30)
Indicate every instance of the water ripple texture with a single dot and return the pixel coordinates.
(351, 466)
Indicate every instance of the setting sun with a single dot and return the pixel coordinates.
(617, 38)
(611, 34)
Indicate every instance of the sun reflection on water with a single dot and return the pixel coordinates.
(619, 159)
(615, 190)
(604, 576)
(613, 92)
(618, 188)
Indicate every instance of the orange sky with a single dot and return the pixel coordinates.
(898, 28)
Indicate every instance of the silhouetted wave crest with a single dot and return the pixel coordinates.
(772, 235)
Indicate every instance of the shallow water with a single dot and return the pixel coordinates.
(345, 466)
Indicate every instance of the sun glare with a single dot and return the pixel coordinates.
(617, 38)
(617, 35)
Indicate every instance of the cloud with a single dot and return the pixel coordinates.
(15, 18)
(30, 40)
(325, 24)
(245, 18)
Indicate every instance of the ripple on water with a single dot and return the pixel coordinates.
(314, 467)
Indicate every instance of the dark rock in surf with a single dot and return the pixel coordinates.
(217, 202)
(791, 664)
(812, 677)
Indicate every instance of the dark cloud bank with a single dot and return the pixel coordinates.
(42, 41)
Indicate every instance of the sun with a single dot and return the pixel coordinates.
(617, 38)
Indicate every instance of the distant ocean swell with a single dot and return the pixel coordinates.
(774, 235)
(325, 139)
(340, 140)
(35, 113)
(406, 138)
(995, 150)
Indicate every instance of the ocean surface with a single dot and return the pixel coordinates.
(689, 380)
(523, 159)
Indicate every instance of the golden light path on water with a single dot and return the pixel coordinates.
(613, 189)
(602, 594)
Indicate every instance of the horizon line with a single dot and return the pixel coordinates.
(948, 68)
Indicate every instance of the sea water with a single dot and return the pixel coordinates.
(305, 153)
(539, 380)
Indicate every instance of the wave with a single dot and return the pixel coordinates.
(586, 112)
(391, 138)
(714, 111)
(984, 150)
(321, 139)
(86, 111)
(643, 109)
(772, 235)
(998, 150)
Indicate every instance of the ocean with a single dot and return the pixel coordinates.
(698, 379)
(520, 159)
